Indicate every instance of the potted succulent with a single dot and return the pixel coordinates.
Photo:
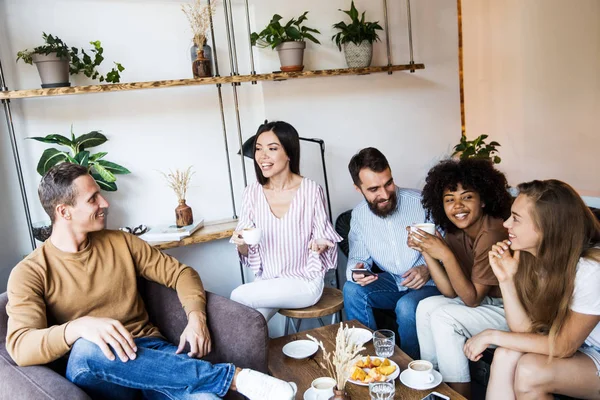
(357, 38)
(288, 40)
(101, 170)
(477, 148)
(55, 60)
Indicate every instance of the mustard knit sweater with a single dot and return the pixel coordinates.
(50, 288)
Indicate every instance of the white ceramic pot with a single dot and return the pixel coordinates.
(358, 56)
(291, 56)
(54, 71)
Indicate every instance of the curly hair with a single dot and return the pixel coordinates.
(476, 174)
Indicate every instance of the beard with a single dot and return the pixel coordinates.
(384, 212)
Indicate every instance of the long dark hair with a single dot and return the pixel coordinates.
(476, 174)
(289, 139)
(568, 231)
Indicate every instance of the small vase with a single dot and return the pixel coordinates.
(201, 66)
(340, 395)
(207, 55)
(183, 214)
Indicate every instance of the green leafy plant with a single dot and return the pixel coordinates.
(101, 170)
(275, 33)
(79, 60)
(477, 148)
(357, 31)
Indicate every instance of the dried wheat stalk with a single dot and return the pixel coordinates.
(179, 181)
(199, 16)
(339, 363)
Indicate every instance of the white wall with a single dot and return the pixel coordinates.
(413, 118)
(532, 83)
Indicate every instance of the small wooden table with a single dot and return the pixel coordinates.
(303, 372)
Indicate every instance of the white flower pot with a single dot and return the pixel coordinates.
(358, 56)
(291, 56)
(54, 71)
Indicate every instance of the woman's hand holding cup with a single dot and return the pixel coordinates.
(425, 238)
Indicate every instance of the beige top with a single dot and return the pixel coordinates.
(472, 255)
(50, 287)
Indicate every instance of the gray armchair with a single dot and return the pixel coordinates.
(239, 336)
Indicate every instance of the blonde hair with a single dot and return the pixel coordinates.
(568, 230)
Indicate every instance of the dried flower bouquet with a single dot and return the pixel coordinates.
(179, 181)
(199, 16)
(339, 363)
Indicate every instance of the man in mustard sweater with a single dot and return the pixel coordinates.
(84, 278)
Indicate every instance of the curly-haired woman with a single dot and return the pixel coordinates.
(549, 274)
(469, 200)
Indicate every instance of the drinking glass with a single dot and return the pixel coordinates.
(384, 341)
(382, 390)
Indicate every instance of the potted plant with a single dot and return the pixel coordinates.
(102, 171)
(288, 40)
(357, 38)
(55, 60)
(477, 148)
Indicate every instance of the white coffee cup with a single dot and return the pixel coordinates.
(421, 372)
(323, 388)
(252, 235)
(427, 227)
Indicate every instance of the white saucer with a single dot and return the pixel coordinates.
(300, 349)
(310, 394)
(360, 336)
(437, 379)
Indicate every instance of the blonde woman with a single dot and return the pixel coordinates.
(549, 274)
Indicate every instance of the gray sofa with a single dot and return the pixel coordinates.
(239, 336)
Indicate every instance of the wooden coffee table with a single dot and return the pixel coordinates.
(303, 372)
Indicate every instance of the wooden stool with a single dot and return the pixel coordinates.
(331, 302)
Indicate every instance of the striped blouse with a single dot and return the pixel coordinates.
(283, 251)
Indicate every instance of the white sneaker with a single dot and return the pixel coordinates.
(258, 386)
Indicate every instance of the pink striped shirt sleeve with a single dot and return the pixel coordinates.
(284, 247)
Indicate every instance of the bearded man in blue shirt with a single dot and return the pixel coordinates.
(378, 237)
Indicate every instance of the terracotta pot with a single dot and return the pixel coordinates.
(291, 56)
(183, 214)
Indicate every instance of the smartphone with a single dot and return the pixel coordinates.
(435, 396)
(363, 271)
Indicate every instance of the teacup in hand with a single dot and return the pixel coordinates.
(323, 388)
(421, 372)
(426, 227)
(252, 235)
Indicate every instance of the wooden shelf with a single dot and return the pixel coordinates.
(276, 76)
(209, 232)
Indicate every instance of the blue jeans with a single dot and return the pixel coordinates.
(359, 302)
(157, 371)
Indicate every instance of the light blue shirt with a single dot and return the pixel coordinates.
(383, 240)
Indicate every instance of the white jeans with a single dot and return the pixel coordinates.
(269, 295)
(444, 325)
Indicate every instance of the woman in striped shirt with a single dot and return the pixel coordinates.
(298, 243)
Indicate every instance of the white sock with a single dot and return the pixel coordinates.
(258, 386)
